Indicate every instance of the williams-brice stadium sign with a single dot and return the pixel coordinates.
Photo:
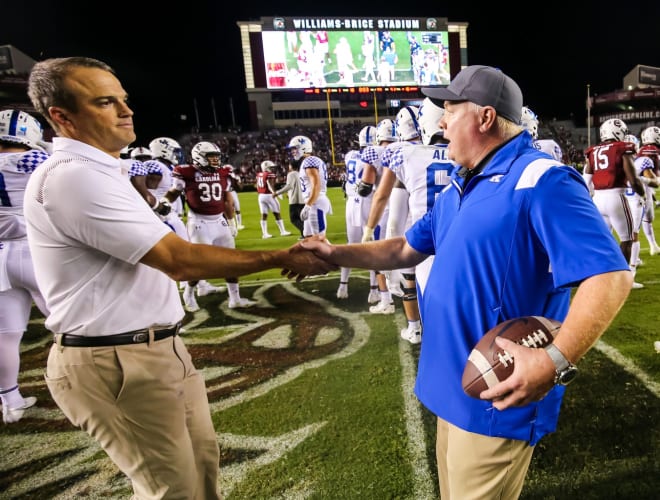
(354, 23)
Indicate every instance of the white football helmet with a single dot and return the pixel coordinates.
(613, 129)
(651, 135)
(18, 127)
(632, 138)
(166, 148)
(299, 145)
(367, 136)
(267, 166)
(429, 120)
(141, 153)
(385, 131)
(530, 122)
(206, 155)
(406, 123)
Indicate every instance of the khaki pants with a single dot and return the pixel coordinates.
(476, 467)
(146, 405)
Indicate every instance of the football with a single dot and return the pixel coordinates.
(488, 364)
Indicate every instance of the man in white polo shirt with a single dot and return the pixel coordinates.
(107, 267)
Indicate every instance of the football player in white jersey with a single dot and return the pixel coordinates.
(638, 204)
(357, 208)
(424, 169)
(137, 173)
(20, 155)
(372, 158)
(391, 190)
(530, 122)
(313, 185)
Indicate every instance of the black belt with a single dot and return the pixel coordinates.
(134, 337)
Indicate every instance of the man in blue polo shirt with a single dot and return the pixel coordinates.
(509, 234)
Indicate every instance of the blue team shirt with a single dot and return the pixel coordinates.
(512, 242)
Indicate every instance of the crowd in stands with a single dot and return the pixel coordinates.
(246, 150)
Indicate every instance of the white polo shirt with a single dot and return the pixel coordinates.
(88, 228)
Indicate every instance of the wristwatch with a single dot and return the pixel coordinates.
(565, 370)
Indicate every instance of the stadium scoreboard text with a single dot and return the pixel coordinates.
(353, 23)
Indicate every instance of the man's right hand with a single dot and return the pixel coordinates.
(308, 260)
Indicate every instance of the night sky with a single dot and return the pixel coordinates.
(169, 58)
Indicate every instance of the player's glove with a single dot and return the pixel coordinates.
(304, 213)
(163, 208)
(367, 234)
(233, 229)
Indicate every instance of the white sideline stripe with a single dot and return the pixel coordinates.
(629, 366)
(423, 480)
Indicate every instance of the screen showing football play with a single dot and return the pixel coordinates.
(315, 54)
(320, 59)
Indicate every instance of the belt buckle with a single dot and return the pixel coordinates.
(140, 338)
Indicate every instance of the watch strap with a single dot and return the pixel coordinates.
(557, 357)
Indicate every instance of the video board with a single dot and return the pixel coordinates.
(288, 53)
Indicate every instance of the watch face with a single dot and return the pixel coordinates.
(566, 376)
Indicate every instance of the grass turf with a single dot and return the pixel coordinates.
(312, 398)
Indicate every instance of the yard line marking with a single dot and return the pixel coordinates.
(423, 480)
(629, 366)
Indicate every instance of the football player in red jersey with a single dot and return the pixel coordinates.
(608, 171)
(650, 148)
(268, 201)
(210, 211)
(235, 184)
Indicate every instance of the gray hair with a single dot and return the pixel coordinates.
(46, 86)
(506, 128)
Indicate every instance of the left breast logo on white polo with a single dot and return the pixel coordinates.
(496, 178)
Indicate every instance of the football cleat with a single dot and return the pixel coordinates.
(654, 250)
(189, 300)
(382, 308)
(12, 415)
(240, 303)
(412, 335)
(266, 236)
(285, 233)
(637, 286)
(205, 288)
(342, 292)
(374, 296)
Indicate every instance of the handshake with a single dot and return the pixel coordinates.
(311, 257)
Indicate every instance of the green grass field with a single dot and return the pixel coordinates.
(312, 399)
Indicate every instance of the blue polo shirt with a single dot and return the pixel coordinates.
(511, 242)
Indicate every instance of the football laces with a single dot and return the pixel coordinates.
(536, 339)
(505, 358)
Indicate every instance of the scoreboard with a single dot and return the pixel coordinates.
(393, 54)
